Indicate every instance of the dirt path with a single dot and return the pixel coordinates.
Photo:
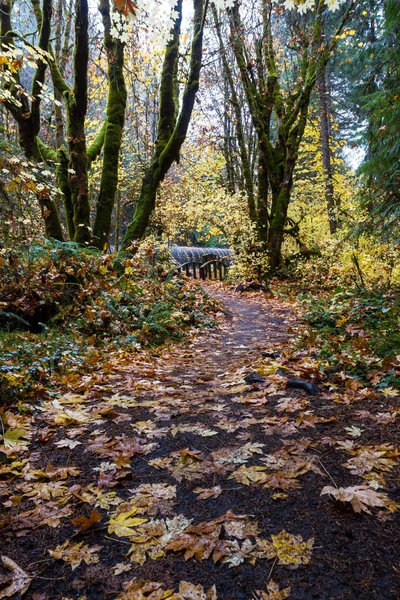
(197, 476)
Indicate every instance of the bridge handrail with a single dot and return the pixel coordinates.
(204, 268)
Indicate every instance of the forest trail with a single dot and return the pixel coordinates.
(171, 477)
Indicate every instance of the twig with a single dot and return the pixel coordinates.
(120, 541)
(272, 570)
(39, 561)
(2, 426)
(329, 475)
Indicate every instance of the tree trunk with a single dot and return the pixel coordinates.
(263, 216)
(27, 114)
(76, 108)
(280, 205)
(326, 154)
(168, 148)
(116, 105)
(52, 225)
(61, 54)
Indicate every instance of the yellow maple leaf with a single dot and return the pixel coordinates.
(74, 553)
(12, 438)
(123, 524)
(292, 549)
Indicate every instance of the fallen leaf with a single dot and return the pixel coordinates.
(143, 590)
(354, 431)
(84, 523)
(273, 592)
(67, 443)
(292, 549)
(205, 493)
(190, 591)
(12, 437)
(74, 553)
(123, 524)
(359, 496)
(20, 581)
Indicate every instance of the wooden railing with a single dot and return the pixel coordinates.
(211, 269)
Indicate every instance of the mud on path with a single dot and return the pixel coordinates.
(204, 485)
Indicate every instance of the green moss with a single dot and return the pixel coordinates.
(113, 130)
(62, 180)
(96, 146)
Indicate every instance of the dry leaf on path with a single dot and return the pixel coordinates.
(360, 497)
(20, 581)
(205, 493)
(145, 590)
(292, 549)
(123, 524)
(74, 553)
(190, 591)
(85, 523)
(273, 592)
(12, 438)
(67, 443)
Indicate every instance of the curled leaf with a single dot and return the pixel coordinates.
(360, 497)
(20, 581)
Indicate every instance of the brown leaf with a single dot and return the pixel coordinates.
(85, 523)
(360, 497)
(273, 592)
(74, 553)
(126, 7)
(205, 493)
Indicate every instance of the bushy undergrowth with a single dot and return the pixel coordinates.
(354, 331)
(62, 307)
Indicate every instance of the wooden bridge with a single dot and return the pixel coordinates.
(202, 263)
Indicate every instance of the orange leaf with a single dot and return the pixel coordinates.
(126, 7)
(85, 523)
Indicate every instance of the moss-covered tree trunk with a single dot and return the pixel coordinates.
(172, 128)
(76, 135)
(116, 105)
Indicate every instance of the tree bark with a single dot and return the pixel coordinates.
(268, 104)
(326, 154)
(76, 109)
(168, 148)
(116, 105)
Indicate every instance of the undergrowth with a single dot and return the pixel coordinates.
(64, 309)
(357, 332)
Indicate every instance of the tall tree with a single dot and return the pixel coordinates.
(278, 107)
(382, 106)
(74, 159)
(173, 122)
(325, 127)
(114, 127)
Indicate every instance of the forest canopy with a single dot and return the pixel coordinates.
(283, 114)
